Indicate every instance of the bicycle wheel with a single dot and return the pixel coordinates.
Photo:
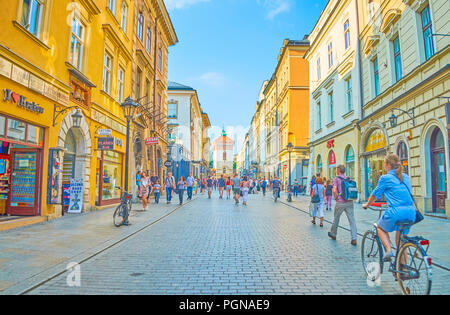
(118, 215)
(415, 276)
(371, 255)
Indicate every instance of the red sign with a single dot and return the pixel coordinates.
(332, 159)
(330, 144)
(152, 140)
(285, 166)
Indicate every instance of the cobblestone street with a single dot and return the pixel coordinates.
(216, 247)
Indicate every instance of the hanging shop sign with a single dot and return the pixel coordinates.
(332, 159)
(54, 170)
(118, 142)
(76, 196)
(168, 164)
(21, 101)
(376, 141)
(106, 144)
(330, 144)
(152, 141)
(104, 132)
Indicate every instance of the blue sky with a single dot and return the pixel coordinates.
(227, 48)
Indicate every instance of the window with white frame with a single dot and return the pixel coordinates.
(172, 110)
(31, 15)
(397, 59)
(318, 69)
(376, 76)
(124, 18)
(330, 107)
(140, 26)
(112, 6)
(149, 40)
(330, 55)
(76, 44)
(107, 66)
(319, 116)
(347, 34)
(348, 94)
(427, 31)
(120, 84)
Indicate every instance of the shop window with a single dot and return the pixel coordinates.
(402, 152)
(319, 165)
(109, 172)
(35, 135)
(350, 162)
(2, 126)
(16, 130)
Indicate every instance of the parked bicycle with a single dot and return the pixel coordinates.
(123, 210)
(411, 265)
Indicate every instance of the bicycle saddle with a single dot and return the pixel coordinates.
(404, 224)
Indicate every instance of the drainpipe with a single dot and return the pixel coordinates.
(155, 65)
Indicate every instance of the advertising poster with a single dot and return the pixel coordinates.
(76, 196)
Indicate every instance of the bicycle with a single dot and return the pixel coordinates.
(410, 263)
(123, 210)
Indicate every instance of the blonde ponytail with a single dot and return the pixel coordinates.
(394, 161)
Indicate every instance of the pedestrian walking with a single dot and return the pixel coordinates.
(180, 188)
(296, 187)
(264, 186)
(236, 182)
(329, 195)
(203, 186)
(170, 186)
(221, 183)
(209, 186)
(144, 189)
(342, 206)
(318, 200)
(190, 186)
(138, 183)
(156, 190)
(245, 187)
(228, 187)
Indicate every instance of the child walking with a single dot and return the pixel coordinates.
(329, 195)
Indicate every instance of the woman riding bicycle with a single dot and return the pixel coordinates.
(396, 188)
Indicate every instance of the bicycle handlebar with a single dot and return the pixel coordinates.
(378, 206)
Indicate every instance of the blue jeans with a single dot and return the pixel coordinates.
(169, 194)
(180, 195)
(189, 192)
(157, 196)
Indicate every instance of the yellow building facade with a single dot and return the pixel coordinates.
(65, 68)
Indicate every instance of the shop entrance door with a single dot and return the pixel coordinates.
(439, 172)
(23, 196)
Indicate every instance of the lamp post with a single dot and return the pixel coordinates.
(290, 148)
(129, 107)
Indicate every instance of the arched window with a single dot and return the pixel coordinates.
(350, 162)
(331, 165)
(319, 165)
(402, 152)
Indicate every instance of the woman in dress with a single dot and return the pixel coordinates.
(144, 189)
(395, 186)
(245, 185)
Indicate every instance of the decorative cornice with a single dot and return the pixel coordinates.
(370, 44)
(108, 29)
(389, 20)
(90, 6)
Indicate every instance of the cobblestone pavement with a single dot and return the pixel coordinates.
(31, 254)
(216, 247)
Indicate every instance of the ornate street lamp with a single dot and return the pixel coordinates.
(393, 119)
(129, 107)
(290, 148)
(76, 118)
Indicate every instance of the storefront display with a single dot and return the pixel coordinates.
(109, 175)
(20, 166)
(375, 153)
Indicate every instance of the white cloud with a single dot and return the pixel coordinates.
(215, 79)
(180, 4)
(275, 7)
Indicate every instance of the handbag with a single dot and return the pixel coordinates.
(419, 216)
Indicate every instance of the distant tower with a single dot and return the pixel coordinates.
(223, 148)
